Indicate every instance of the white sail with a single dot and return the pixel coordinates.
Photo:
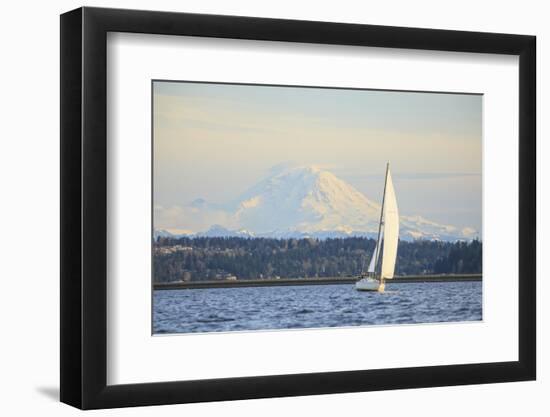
(374, 258)
(391, 230)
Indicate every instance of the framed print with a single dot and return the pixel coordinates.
(258, 208)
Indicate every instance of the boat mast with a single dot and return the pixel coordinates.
(381, 216)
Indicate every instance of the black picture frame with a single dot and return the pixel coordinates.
(84, 207)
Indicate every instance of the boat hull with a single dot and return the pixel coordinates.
(369, 284)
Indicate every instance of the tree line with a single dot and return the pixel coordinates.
(207, 258)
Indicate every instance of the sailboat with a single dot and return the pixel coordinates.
(382, 267)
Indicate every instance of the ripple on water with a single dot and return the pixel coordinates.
(265, 308)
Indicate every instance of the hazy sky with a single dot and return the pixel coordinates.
(214, 141)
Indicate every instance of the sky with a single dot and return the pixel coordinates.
(214, 141)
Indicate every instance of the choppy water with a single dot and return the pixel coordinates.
(292, 307)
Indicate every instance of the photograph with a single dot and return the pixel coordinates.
(250, 203)
(294, 207)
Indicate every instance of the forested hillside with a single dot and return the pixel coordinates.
(207, 258)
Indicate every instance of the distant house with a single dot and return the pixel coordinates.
(231, 278)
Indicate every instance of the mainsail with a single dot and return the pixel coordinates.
(386, 244)
(391, 230)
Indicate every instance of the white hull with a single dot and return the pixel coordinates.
(369, 284)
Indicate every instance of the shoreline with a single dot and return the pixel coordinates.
(309, 281)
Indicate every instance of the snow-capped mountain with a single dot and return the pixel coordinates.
(303, 201)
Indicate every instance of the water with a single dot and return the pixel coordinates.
(310, 306)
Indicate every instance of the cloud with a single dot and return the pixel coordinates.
(413, 176)
(433, 175)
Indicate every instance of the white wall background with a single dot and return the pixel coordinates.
(29, 175)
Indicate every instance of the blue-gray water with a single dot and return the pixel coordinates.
(293, 307)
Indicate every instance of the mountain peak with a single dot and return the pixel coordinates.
(307, 200)
(304, 198)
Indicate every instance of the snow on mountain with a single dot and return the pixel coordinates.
(417, 227)
(171, 233)
(220, 231)
(307, 201)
